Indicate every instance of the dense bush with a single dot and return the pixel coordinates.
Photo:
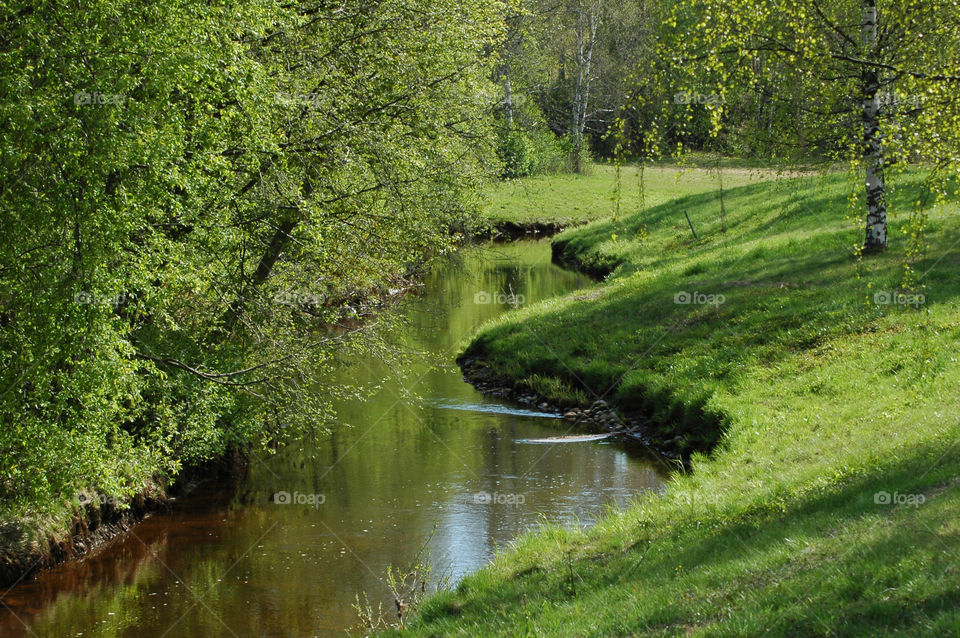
(187, 190)
(532, 151)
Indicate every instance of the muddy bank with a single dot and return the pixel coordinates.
(599, 416)
(98, 519)
(23, 551)
(597, 266)
(510, 231)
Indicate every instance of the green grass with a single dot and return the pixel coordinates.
(575, 199)
(818, 400)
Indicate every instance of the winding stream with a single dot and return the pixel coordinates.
(427, 458)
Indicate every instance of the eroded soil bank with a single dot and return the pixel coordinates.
(99, 519)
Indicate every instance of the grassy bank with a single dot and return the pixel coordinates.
(571, 199)
(828, 505)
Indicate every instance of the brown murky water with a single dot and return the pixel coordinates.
(427, 457)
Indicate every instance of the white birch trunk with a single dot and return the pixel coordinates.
(588, 21)
(873, 160)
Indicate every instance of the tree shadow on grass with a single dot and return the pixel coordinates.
(828, 562)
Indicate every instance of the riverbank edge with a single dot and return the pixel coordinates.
(507, 231)
(563, 254)
(97, 520)
(599, 416)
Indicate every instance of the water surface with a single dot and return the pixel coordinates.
(426, 458)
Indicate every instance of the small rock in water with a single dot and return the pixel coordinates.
(571, 415)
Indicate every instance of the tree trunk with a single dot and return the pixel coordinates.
(588, 20)
(507, 95)
(873, 160)
(279, 241)
(575, 134)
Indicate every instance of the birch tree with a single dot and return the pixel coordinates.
(587, 20)
(871, 81)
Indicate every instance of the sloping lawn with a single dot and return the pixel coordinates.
(829, 502)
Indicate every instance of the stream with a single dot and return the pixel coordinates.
(426, 461)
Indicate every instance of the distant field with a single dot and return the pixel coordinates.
(576, 199)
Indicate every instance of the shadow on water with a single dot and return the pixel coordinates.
(317, 523)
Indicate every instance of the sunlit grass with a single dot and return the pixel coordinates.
(824, 402)
(575, 199)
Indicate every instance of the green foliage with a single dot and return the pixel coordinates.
(197, 199)
(801, 94)
(802, 83)
(544, 58)
(514, 149)
(529, 152)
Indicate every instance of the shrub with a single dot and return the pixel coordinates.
(526, 152)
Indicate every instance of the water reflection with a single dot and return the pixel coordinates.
(425, 455)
